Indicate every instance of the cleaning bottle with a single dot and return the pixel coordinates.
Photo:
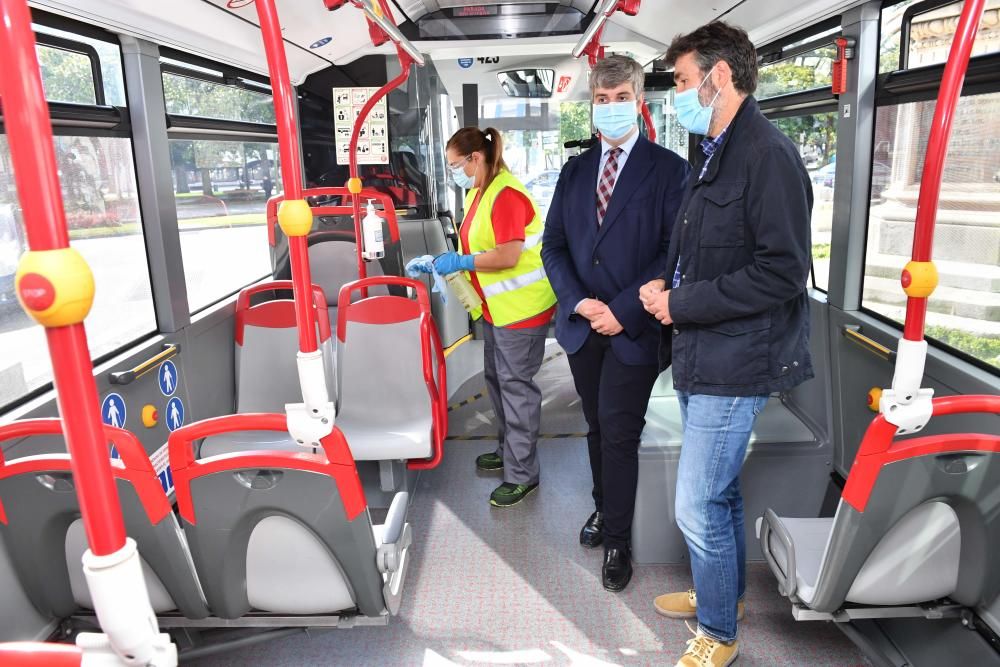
(371, 227)
(464, 291)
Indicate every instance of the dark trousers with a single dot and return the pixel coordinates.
(614, 398)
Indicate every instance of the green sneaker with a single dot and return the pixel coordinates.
(508, 494)
(490, 461)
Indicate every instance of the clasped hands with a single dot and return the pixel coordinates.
(655, 299)
(602, 320)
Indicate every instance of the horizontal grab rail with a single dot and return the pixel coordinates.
(169, 351)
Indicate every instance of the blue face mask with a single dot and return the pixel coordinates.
(462, 179)
(614, 120)
(694, 117)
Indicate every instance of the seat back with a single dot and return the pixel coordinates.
(894, 512)
(281, 532)
(40, 523)
(333, 250)
(391, 372)
(266, 345)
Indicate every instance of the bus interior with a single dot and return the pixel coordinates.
(212, 162)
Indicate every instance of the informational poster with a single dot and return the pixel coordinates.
(373, 140)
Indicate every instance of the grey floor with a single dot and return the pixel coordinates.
(513, 587)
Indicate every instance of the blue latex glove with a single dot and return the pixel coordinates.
(450, 262)
(418, 265)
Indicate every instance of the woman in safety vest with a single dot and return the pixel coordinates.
(501, 243)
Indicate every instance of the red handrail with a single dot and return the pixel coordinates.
(879, 448)
(388, 209)
(405, 61)
(49, 273)
(291, 165)
(937, 148)
(38, 654)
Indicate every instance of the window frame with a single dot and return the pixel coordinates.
(922, 84)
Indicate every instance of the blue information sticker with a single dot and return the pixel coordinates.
(321, 42)
(167, 376)
(175, 413)
(113, 410)
(465, 63)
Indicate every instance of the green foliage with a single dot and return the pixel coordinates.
(574, 121)
(986, 348)
(821, 251)
(194, 97)
(66, 76)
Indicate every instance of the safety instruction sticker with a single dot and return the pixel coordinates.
(167, 376)
(373, 138)
(161, 464)
(175, 413)
(113, 410)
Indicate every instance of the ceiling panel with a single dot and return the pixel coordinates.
(193, 26)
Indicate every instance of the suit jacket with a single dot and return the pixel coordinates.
(613, 261)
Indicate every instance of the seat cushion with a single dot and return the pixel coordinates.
(374, 441)
(242, 441)
(809, 538)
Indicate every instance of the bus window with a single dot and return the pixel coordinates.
(532, 139)
(97, 176)
(67, 75)
(930, 34)
(221, 185)
(815, 135)
(965, 308)
(669, 133)
(220, 191)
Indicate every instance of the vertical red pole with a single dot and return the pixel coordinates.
(404, 64)
(29, 132)
(291, 167)
(937, 148)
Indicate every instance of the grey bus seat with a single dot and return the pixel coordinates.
(284, 532)
(42, 531)
(918, 521)
(392, 398)
(267, 375)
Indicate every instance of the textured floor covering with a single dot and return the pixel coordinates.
(513, 587)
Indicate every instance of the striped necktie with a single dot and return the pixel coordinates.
(607, 184)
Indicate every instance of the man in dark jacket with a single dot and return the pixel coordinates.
(735, 312)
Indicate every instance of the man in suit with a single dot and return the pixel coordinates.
(606, 235)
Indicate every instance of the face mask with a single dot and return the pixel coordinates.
(690, 113)
(462, 179)
(614, 120)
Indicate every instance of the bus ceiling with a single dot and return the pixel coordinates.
(443, 29)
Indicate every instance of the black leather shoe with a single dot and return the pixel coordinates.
(592, 533)
(617, 570)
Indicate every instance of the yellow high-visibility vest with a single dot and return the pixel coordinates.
(519, 293)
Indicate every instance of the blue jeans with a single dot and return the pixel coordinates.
(709, 504)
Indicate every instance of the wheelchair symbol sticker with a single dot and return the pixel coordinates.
(168, 378)
(175, 413)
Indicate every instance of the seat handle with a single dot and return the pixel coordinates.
(770, 523)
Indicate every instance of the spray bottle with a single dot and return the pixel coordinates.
(371, 227)
(464, 291)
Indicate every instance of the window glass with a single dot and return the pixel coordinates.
(931, 34)
(964, 311)
(669, 133)
(815, 135)
(102, 212)
(67, 77)
(793, 75)
(221, 190)
(185, 96)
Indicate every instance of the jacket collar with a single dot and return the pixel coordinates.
(747, 111)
